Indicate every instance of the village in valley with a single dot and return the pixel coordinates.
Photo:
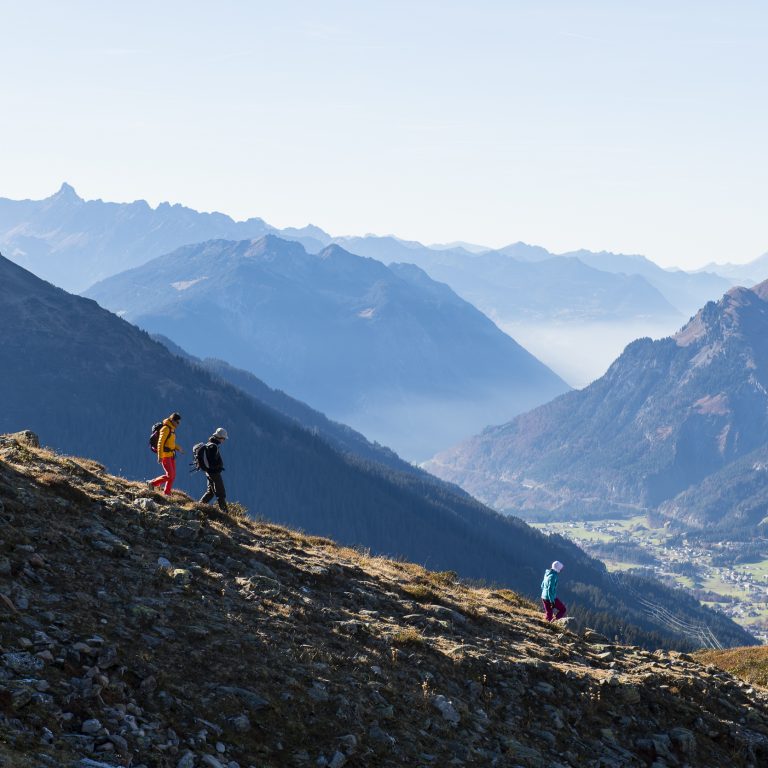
(728, 576)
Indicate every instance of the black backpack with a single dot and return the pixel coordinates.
(155, 436)
(200, 461)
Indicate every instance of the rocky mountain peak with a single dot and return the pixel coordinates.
(145, 630)
(66, 194)
(761, 289)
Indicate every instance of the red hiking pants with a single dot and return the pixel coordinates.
(169, 465)
(558, 605)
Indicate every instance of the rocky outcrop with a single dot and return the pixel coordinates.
(143, 630)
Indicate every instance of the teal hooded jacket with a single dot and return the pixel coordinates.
(549, 585)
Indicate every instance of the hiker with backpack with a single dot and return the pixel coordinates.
(166, 449)
(208, 459)
(549, 597)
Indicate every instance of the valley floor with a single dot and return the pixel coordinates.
(714, 574)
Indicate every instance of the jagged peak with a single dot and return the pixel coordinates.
(66, 193)
(699, 325)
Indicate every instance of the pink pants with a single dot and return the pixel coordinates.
(558, 605)
(169, 465)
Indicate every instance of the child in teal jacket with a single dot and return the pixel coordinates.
(549, 596)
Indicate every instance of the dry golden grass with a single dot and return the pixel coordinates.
(513, 598)
(443, 578)
(750, 663)
(407, 636)
(307, 540)
(422, 593)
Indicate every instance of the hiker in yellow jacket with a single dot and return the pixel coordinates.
(166, 453)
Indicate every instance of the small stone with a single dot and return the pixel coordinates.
(29, 437)
(595, 637)
(240, 723)
(446, 709)
(23, 663)
(186, 532)
(338, 760)
(261, 569)
(684, 740)
(375, 733)
(181, 576)
(90, 727)
(187, 760)
(220, 748)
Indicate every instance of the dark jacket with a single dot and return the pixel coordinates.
(213, 456)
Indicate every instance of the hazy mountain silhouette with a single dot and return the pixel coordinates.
(686, 291)
(74, 242)
(387, 350)
(755, 271)
(679, 424)
(556, 288)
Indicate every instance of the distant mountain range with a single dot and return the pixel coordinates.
(676, 427)
(74, 243)
(526, 282)
(754, 272)
(575, 312)
(91, 384)
(387, 350)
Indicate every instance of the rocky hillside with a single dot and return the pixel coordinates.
(676, 426)
(749, 664)
(143, 631)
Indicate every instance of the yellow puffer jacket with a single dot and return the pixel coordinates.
(166, 442)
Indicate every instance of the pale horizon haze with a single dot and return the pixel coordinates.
(635, 128)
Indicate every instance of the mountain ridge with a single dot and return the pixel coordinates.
(380, 348)
(666, 415)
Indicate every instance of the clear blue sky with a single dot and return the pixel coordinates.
(635, 127)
